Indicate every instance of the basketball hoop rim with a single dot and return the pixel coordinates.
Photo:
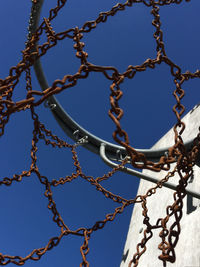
(72, 128)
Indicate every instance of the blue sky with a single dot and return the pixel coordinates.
(126, 39)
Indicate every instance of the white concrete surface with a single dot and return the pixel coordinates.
(188, 247)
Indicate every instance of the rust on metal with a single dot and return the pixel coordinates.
(185, 160)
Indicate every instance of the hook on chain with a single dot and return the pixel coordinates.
(49, 105)
(80, 140)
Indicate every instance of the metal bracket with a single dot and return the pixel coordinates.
(139, 174)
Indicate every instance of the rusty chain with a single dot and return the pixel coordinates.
(177, 153)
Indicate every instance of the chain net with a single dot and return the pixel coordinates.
(185, 160)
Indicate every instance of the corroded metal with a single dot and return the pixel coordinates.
(184, 159)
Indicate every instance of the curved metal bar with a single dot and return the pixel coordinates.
(139, 174)
(34, 17)
(70, 126)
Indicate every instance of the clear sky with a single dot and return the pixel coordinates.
(125, 39)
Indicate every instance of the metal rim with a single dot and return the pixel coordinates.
(70, 126)
(106, 150)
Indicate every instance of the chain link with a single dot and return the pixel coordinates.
(177, 153)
